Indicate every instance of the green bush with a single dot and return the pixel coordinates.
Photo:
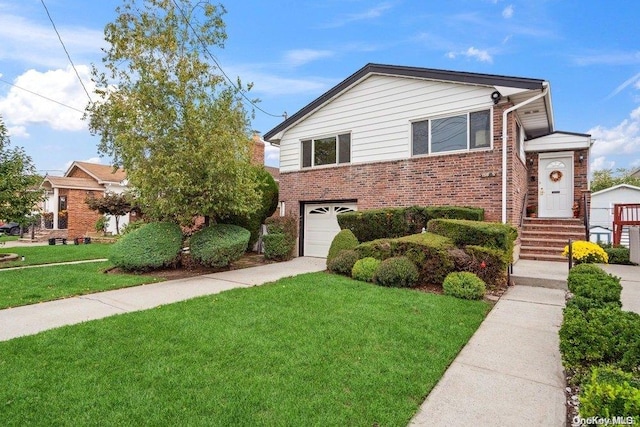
(345, 239)
(487, 234)
(599, 336)
(384, 223)
(488, 264)
(428, 252)
(278, 246)
(588, 269)
(281, 238)
(396, 272)
(364, 269)
(464, 285)
(151, 246)
(583, 303)
(268, 189)
(595, 286)
(343, 262)
(610, 392)
(219, 245)
(617, 254)
(131, 226)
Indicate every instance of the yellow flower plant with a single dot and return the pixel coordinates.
(586, 252)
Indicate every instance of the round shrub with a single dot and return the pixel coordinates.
(151, 246)
(610, 392)
(343, 262)
(345, 239)
(364, 269)
(464, 285)
(219, 245)
(586, 252)
(396, 271)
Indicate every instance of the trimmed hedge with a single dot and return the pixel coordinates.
(384, 223)
(219, 245)
(345, 239)
(487, 234)
(592, 287)
(464, 285)
(151, 246)
(280, 239)
(429, 252)
(488, 264)
(364, 269)
(617, 254)
(610, 392)
(397, 272)
(343, 262)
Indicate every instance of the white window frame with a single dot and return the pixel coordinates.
(337, 147)
(468, 149)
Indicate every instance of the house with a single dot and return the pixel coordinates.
(635, 173)
(65, 212)
(398, 136)
(601, 212)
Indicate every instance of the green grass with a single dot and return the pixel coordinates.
(315, 349)
(35, 255)
(7, 238)
(32, 285)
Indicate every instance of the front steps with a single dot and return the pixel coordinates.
(544, 239)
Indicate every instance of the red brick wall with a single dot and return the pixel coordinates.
(257, 154)
(81, 220)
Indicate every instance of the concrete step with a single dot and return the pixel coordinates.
(544, 241)
(542, 257)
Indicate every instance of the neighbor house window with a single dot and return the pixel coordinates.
(469, 131)
(329, 150)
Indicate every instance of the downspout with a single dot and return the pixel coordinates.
(544, 92)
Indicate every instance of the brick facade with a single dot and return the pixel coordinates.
(81, 220)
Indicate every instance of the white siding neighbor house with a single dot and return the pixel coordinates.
(601, 212)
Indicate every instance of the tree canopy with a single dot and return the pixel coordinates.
(18, 181)
(113, 204)
(168, 116)
(607, 178)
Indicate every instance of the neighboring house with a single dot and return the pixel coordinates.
(400, 136)
(65, 210)
(601, 213)
(635, 173)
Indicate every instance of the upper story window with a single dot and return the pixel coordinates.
(330, 150)
(469, 131)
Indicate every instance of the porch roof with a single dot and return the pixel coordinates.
(557, 141)
(51, 182)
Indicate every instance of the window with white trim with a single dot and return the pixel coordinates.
(330, 150)
(468, 131)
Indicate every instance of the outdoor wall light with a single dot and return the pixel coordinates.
(581, 158)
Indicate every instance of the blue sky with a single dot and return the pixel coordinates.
(293, 51)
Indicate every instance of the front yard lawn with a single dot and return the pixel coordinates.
(7, 238)
(59, 253)
(315, 349)
(32, 285)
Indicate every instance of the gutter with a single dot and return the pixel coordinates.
(545, 91)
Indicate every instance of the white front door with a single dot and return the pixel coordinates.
(321, 226)
(555, 185)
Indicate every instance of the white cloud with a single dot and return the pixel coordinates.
(608, 58)
(372, 13)
(18, 132)
(271, 153)
(507, 12)
(472, 53)
(299, 57)
(619, 140)
(37, 44)
(601, 163)
(21, 107)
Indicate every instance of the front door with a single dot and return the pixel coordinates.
(555, 185)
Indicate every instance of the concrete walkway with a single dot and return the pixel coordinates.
(510, 372)
(31, 319)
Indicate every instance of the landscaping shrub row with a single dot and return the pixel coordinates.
(435, 256)
(397, 222)
(600, 345)
(617, 254)
(280, 239)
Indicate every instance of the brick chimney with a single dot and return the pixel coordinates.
(257, 157)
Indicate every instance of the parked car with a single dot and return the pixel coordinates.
(12, 228)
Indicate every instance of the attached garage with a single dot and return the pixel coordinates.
(321, 226)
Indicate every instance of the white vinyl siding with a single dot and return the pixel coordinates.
(378, 112)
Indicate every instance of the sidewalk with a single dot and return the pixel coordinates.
(31, 319)
(510, 372)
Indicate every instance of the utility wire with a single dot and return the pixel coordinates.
(41, 96)
(65, 50)
(213, 58)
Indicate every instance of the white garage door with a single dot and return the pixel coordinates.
(321, 226)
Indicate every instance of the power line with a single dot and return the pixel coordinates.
(41, 96)
(213, 58)
(65, 50)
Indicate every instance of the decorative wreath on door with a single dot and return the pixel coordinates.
(555, 176)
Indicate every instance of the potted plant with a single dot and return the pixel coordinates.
(576, 210)
(532, 211)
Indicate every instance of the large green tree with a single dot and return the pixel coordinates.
(167, 115)
(18, 181)
(606, 178)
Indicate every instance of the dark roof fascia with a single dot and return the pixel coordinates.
(585, 135)
(403, 71)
